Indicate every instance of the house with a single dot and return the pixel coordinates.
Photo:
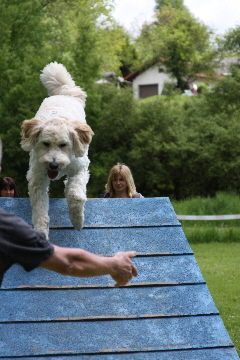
(225, 65)
(223, 69)
(149, 80)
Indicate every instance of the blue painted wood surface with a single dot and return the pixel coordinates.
(103, 212)
(94, 303)
(165, 313)
(145, 240)
(113, 335)
(199, 354)
(178, 269)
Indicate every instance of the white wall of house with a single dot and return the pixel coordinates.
(150, 77)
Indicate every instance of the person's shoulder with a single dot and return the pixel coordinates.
(138, 195)
(106, 195)
(8, 215)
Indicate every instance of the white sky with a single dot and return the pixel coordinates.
(220, 15)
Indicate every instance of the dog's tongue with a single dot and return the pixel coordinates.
(52, 174)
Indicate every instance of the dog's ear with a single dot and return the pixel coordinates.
(82, 136)
(29, 133)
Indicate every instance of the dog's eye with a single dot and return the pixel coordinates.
(62, 145)
(46, 144)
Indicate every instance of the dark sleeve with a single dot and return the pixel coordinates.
(20, 244)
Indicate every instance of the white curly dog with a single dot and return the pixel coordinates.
(58, 139)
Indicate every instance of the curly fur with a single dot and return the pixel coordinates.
(58, 139)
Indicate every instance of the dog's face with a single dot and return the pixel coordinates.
(55, 142)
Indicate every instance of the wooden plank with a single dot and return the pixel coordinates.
(228, 353)
(109, 303)
(28, 339)
(165, 313)
(174, 268)
(137, 212)
(19, 206)
(109, 241)
(103, 212)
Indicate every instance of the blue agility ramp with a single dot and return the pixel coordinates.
(166, 313)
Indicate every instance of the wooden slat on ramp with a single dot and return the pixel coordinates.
(165, 313)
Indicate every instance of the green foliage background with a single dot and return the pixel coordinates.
(175, 145)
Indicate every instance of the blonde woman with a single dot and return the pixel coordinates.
(120, 183)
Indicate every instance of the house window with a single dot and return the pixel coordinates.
(148, 90)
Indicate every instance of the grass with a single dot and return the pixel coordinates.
(220, 266)
(210, 231)
(216, 246)
(223, 203)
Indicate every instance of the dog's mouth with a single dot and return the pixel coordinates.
(52, 174)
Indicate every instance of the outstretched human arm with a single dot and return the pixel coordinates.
(81, 263)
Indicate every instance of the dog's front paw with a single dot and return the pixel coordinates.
(76, 214)
(77, 219)
(43, 230)
(41, 223)
(77, 222)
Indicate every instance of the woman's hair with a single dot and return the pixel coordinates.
(125, 172)
(7, 182)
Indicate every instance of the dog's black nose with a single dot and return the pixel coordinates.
(53, 165)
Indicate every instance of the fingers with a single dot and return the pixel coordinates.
(122, 282)
(134, 271)
(131, 254)
(124, 267)
(127, 278)
(127, 269)
(119, 284)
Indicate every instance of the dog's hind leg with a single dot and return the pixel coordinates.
(38, 185)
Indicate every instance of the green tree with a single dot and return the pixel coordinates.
(232, 40)
(177, 4)
(182, 41)
(22, 32)
(114, 127)
(34, 33)
(224, 98)
(128, 56)
(181, 150)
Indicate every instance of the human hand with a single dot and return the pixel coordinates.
(124, 269)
